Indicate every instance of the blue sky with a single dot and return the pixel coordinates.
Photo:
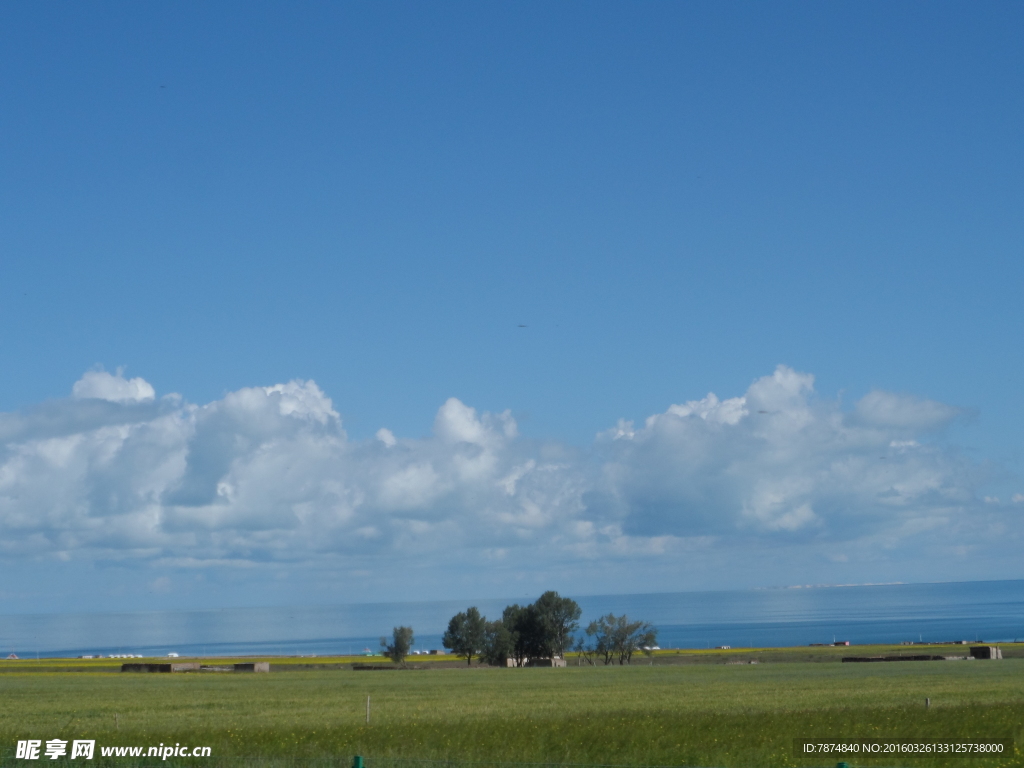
(299, 224)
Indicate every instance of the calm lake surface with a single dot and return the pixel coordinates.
(992, 611)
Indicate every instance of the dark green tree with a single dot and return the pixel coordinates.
(511, 620)
(465, 634)
(401, 642)
(558, 618)
(542, 630)
(499, 644)
(526, 629)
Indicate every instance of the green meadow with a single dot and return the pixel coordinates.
(687, 710)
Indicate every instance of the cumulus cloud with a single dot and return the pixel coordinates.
(268, 474)
(101, 385)
(778, 460)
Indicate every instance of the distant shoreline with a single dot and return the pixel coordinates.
(666, 656)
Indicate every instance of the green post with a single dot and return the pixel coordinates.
(357, 762)
(838, 765)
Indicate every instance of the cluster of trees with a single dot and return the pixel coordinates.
(544, 630)
(541, 630)
(615, 638)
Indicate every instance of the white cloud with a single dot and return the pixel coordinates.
(710, 409)
(268, 475)
(458, 423)
(778, 460)
(386, 436)
(302, 399)
(101, 385)
(886, 409)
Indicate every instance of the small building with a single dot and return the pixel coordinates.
(557, 661)
(841, 642)
(986, 652)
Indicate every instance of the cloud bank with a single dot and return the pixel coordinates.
(267, 477)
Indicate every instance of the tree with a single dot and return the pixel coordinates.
(618, 637)
(465, 634)
(584, 653)
(542, 630)
(603, 632)
(499, 644)
(526, 627)
(401, 642)
(559, 618)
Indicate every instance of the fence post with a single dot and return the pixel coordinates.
(357, 762)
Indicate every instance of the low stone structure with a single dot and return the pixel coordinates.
(187, 666)
(195, 666)
(986, 652)
(555, 662)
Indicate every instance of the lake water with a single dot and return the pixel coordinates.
(992, 611)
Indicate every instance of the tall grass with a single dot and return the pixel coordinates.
(708, 715)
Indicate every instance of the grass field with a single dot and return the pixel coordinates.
(695, 714)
